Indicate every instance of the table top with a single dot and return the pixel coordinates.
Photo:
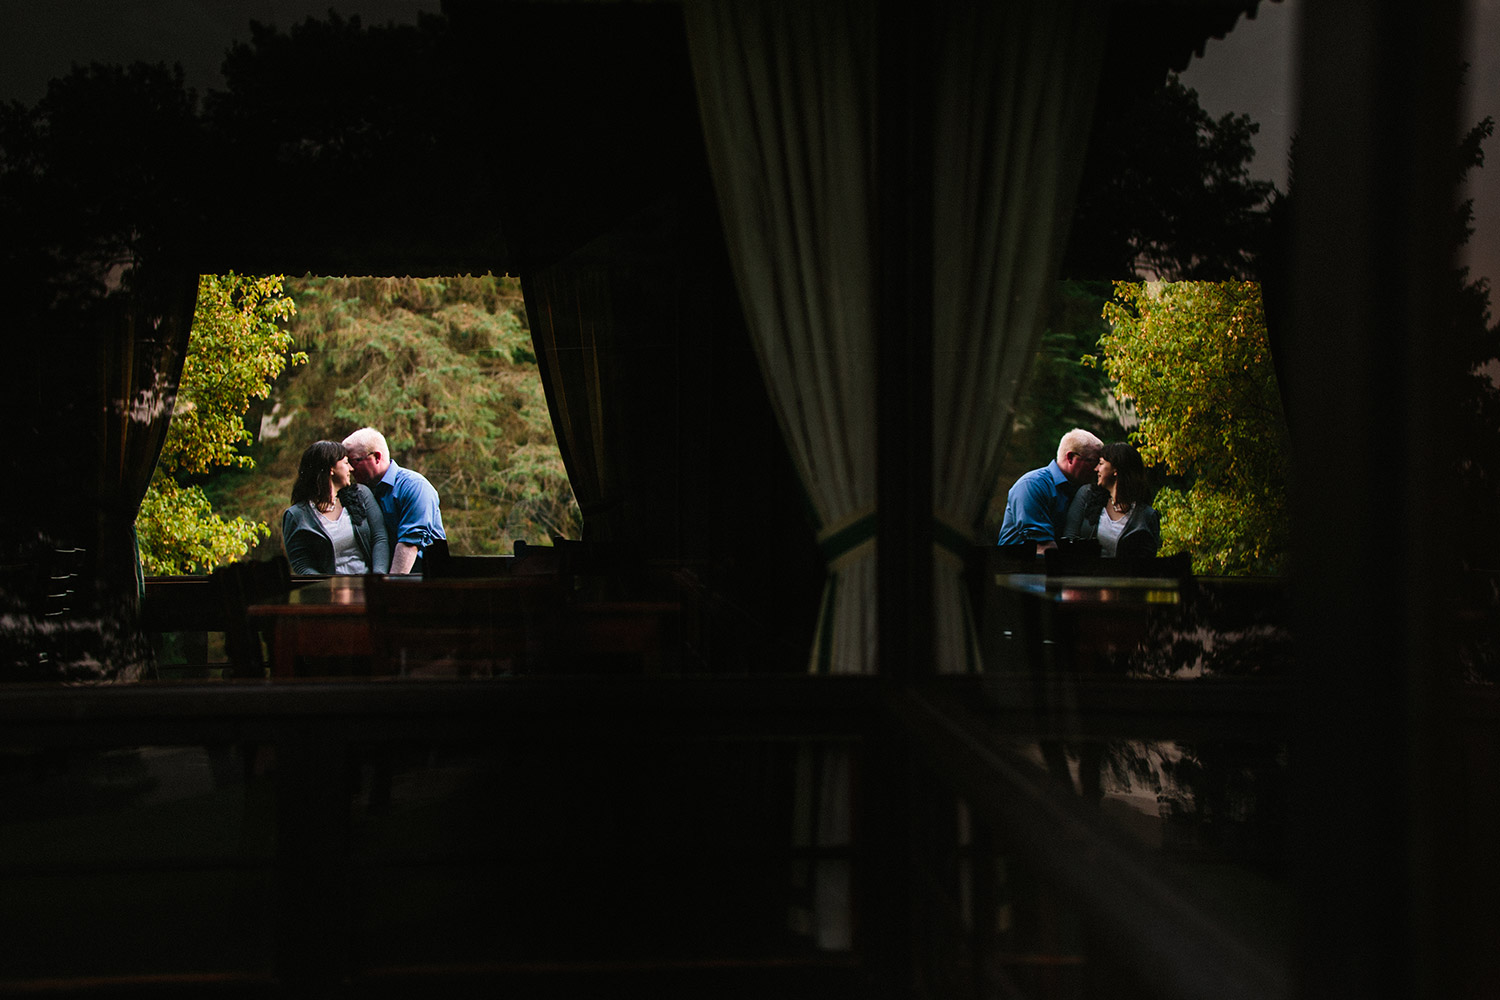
(334, 595)
(1142, 590)
(344, 596)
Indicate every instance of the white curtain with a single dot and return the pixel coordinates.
(786, 91)
(1014, 98)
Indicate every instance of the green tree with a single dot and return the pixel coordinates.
(1194, 360)
(1167, 194)
(1472, 398)
(235, 352)
(1061, 392)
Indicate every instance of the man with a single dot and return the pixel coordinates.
(1037, 505)
(412, 513)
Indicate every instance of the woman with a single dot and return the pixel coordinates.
(334, 526)
(1116, 511)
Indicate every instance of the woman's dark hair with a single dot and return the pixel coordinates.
(1131, 486)
(312, 472)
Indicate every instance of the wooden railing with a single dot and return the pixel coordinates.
(297, 838)
(550, 835)
(336, 811)
(186, 620)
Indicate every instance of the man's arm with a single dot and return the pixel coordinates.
(420, 520)
(403, 558)
(1035, 514)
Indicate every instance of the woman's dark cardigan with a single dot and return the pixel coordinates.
(1141, 537)
(310, 550)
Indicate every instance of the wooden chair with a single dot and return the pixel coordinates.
(1021, 554)
(463, 627)
(237, 586)
(440, 564)
(536, 560)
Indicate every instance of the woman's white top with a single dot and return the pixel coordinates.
(347, 559)
(1109, 533)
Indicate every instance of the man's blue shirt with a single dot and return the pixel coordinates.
(1036, 508)
(410, 505)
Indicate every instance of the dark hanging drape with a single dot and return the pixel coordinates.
(569, 310)
(101, 195)
(142, 366)
(92, 392)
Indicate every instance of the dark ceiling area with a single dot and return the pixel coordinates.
(511, 135)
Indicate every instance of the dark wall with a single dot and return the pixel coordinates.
(541, 133)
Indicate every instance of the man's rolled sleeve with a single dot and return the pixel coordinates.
(420, 514)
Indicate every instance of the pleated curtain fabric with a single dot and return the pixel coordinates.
(568, 309)
(146, 345)
(786, 91)
(1014, 102)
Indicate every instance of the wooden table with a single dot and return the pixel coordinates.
(1035, 621)
(329, 618)
(1230, 625)
(1093, 590)
(324, 618)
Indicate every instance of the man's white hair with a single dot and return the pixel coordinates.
(366, 440)
(1079, 440)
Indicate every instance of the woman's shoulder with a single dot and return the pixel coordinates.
(367, 501)
(1146, 515)
(1087, 502)
(300, 514)
(1088, 495)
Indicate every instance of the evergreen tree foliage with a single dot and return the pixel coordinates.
(1062, 392)
(1167, 195)
(235, 351)
(1471, 393)
(1194, 360)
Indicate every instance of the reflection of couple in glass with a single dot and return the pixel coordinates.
(1092, 491)
(334, 525)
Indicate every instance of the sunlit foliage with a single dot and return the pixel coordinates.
(1194, 360)
(235, 352)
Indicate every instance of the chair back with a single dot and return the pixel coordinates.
(438, 563)
(536, 560)
(607, 570)
(236, 587)
(462, 626)
(1017, 557)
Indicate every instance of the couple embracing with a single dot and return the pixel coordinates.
(355, 511)
(1092, 490)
